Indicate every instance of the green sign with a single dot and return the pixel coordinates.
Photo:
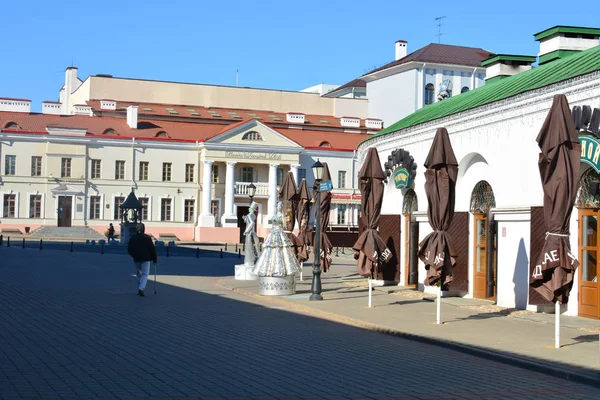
(590, 151)
(401, 178)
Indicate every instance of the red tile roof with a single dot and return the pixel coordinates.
(14, 99)
(442, 54)
(177, 131)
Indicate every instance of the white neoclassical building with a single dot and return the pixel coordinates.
(498, 227)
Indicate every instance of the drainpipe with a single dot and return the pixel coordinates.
(132, 163)
(86, 184)
(198, 194)
(421, 88)
(474, 80)
(353, 181)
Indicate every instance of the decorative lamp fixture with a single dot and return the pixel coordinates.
(318, 170)
(251, 190)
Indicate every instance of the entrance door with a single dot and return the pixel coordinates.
(589, 290)
(241, 223)
(64, 210)
(481, 275)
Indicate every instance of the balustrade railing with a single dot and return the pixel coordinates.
(241, 188)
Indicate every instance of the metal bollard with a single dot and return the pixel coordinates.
(1, 239)
(102, 248)
(236, 247)
(225, 246)
(71, 247)
(337, 251)
(244, 246)
(197, 252)
(8, 241)
(239, 253)
(167, 250)
(23, 242)
(40, 244)
(221, 253)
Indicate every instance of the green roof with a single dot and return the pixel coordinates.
(581, 63)
(508, 57)
(566, 29)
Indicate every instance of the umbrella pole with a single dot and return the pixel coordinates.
(301, 266)
(370, 290)
(557, 325)
(439, 305)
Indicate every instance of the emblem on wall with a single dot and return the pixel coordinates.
(401, 167)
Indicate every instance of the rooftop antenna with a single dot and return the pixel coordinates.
(439, 35)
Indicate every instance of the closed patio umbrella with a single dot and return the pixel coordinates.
(289, 197)
(440, 181)
(303, 212)
(326, 246)
(559, 165)
(370, 250)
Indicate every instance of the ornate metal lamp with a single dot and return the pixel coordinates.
(318, 170)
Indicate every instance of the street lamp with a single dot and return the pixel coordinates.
(318, 170)
(251, 191)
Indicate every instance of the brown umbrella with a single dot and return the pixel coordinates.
(289, 197)
(303, 213)
(326, 246)
(370, 249)
(440, 181)
(559, 171)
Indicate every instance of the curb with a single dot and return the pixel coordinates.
(447, 344)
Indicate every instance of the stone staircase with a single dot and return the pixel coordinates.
(74, 232)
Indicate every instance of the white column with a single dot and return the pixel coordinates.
(228, 218)
(206, 218)
(294, 169)
(272, 189)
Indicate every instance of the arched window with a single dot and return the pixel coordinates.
(11, 125)
(410, 204)
(429, 94)
(585, 196)
(247, 174)
(252, 135)
(482, 198)
(325, 144)
(464, 89)
(109, 131)
(162, 134)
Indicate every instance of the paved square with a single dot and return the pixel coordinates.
(72, 327)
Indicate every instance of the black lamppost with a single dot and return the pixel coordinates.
(251, 191)
(318, 170)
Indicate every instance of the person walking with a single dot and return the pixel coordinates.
(110, 233)
(142, 250)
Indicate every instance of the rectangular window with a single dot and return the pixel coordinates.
(10, 205)
(95, 205)
(247, 174)
(36, 166)
(117, 211)
(301, 175)
(280, 176)
(144, 202)
(10, 165)
(144, 170)
(166, 172)
(35, 206)
(96, 164)
(341, 179)
(341, 214)
(119, 169)
(214, 208)
(165, 209)
(188, 212)
(189, 172)
(215, 174)
(65, 167)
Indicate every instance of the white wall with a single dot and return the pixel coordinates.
(350, 107)
(393, 97)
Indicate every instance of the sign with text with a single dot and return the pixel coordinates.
(590, 151)
(401, 178)
(325, 186)
(238, 155)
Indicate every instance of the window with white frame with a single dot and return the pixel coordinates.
(189, 172)
(35, 206)
(65, 167)
(143, 170)
(36, 166)
(247, 174)
(188, 210)
(341, 214)
(144, 202)
(165, 209)
(252, 135)
(429, 94)
(95, 206)
(96, 168)
(166, 175)
(117, 211)
(341, 179)
(10, 165)
(10, 206)
(215, 174)
(214, 208)
(119, 170)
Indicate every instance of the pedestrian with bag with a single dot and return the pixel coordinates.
(142, 250)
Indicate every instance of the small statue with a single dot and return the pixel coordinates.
(251, 242)
(277, 258)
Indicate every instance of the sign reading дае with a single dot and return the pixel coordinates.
(590, 151)
(401, 178)
(325, 186)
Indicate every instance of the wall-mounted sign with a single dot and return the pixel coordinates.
(346, 198)
(325, 186)
(252, 155)
(401, 178)
(590, 151)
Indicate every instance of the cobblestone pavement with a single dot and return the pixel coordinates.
(72, 327)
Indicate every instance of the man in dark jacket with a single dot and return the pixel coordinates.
(143, 252)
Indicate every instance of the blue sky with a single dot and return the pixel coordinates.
(274, 44)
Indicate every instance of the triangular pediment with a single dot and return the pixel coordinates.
(65, 189)
(253, 133)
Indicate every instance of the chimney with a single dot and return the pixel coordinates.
(69, 88)
(562, 41)
(132, 116)
(51, 107)
(504, 65)
(401, 49)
